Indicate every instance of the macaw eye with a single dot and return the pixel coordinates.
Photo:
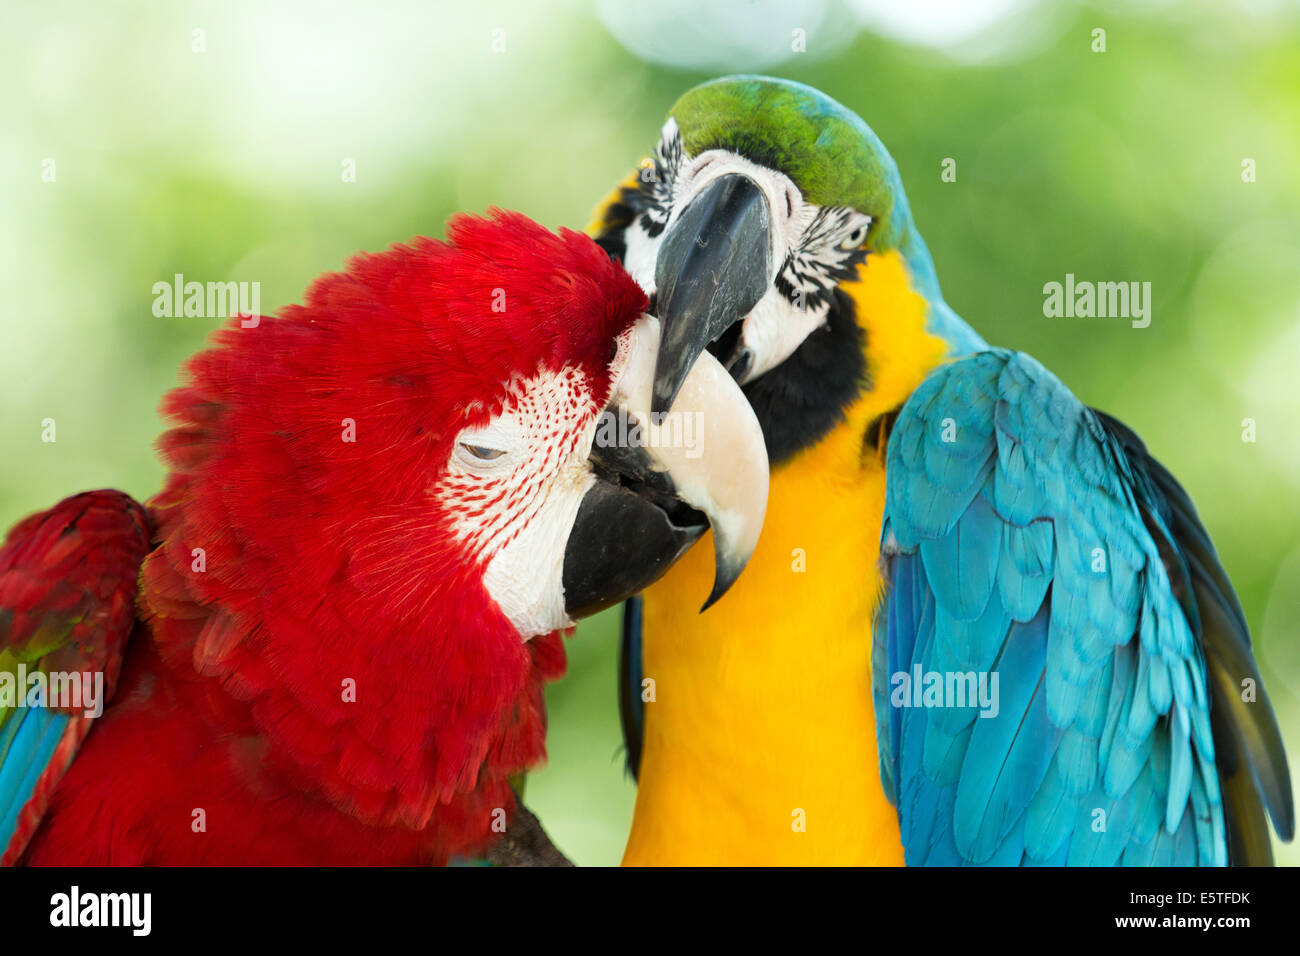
(491, 449)
(854, 239)
(482, 452)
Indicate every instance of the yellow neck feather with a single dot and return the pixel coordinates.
(760, 741)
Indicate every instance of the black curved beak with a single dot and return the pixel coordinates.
(661, 481)
(714, 264)
(628, 532)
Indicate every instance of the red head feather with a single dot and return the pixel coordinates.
(327, 560)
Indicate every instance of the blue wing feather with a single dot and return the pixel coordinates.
(1029, 537)
(37, 734)
(68, 580)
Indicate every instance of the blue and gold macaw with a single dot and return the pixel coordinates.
(983, 625)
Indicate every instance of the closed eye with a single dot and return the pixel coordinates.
(482, 452)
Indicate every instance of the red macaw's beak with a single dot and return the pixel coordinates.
(663, 478)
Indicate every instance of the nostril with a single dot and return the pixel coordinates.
(654, 303)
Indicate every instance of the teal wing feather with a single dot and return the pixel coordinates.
(1055, 585)
(68, 580)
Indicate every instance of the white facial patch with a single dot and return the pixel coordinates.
(784, 201)
(814, 247)
(774, 329)
(639, 259)
(515, 510)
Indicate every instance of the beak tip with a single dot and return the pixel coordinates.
(723, 579)
(714, 597)
(666, 387)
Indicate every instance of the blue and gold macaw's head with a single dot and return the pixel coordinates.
(761, 204)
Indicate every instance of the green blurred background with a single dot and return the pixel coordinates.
(220, 154)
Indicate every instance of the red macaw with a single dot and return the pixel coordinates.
(324, 641)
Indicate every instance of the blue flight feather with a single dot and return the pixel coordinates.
(1025, 536)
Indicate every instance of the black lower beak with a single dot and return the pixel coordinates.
(629, 531)
(713, 266)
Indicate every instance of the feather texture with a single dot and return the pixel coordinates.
(1031, 538)
(319, 673)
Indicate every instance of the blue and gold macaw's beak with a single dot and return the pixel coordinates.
(714, 264)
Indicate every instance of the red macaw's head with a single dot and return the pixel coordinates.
(446, 451)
